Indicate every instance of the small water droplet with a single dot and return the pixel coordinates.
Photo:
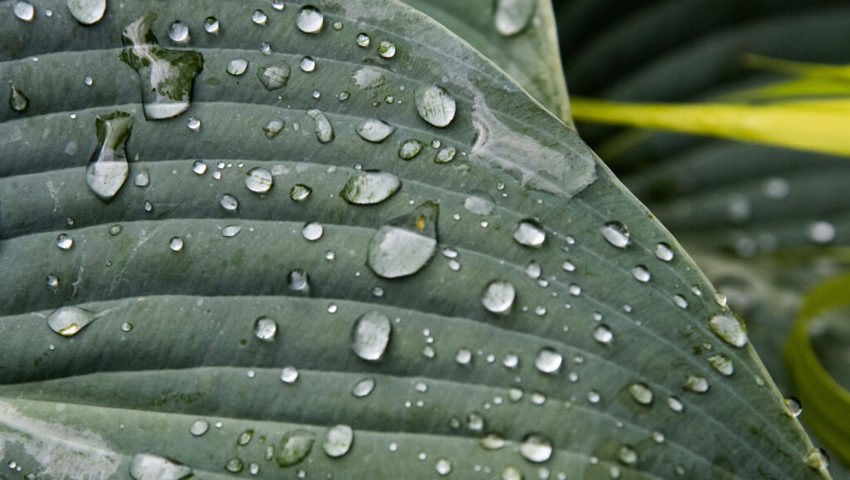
(199, 167)
(511, 473)
(536, 448)
(229, 202)
(309, 19)
(498, 296)
(274, 76)
(722, 363)
(211, 25)
(265, 329)
(616, 234)
(443, 466)
(675, 404)
(17, 100)
(234, 465)
(259, 17)
(300, 192)
(371, 335)
(628, 455)
(324, 129)
(363, 387)
(386, 49)
(512, 16)
(193, 124)
(298, 280)
(64, 241)
(146, 466)
(24, 11)
(289, 374)
(729, 328)
(603, 334)
(294, 447)
(142, 179)
(338, 441)
(245, 438)
(237, 66)
(663, 251)
(362, 40)
(69, 320)
(409, 149)
(199, 427)
(108, 168)
(548, 360)
(278, 5)
(641, 393)
(435, 105)
(374, 130)
(312, 231)
(641, 274)
(259, 180)
(273, 128)
(52, 281)
(680, 301)
(793, 406)
(308, 64)
(821, 232)
(445, 155)
(530, 233)
(696, 384)
(178, 32)
(593, 397)
(175, 244)
(463, 356)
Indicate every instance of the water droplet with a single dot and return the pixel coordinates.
(445, 155)
(313, 231)
(680, 301)
(536, 448)
(512, 16)
(729, 328)
(64, 241)
(245, 437)
(108, 168)
(776, 188)
(641, 393)
(435, 105)
(294, 447)
(793, 406)
(479, 203)
(575, 290)
(87, 12)
(817, 459)
(142, 179)
(386, 49)
(178, 32)
(324, 130)
(374, 130)
(259, 17)
(69, 320)
(237, 66)
(265, 329)
(175, 244)
(616, 233)
(641, 274)
(24, 11)
(229, 202)
(289, 374)
(199, 167)
(300, 192)
(17, 100)
(298, 280)
(603, 334)
(234, 465)
(199, 427)
(308, 64)
(309, 19)
(627, 455)
(259, 180)
(273, 128)
(362, 40)
(696, 384)
(166, 75)
(211, 25)
(820, 232)
(593, 397)
(405, 244)
(675, 404)
(463, 356)
(278, 5)
(146, 466)
(52, 281)
(443, 466)
(548, 360)
(530, 233)
(511, 473)
(338, 441)
(371, 187)
(663, 252)
(371, 335)
(409, 149)
(274, 76)
(193, 124)
(363, 387)
(722, 363)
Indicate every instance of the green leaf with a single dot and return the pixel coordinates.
(274, 267)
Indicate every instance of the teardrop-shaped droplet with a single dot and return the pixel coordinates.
(338, 441)
(536, 448)
(166, 75)
(245, 437)
(663, 251)
(371, 335)
(108, 168)
(374, 130)
(369, 188)
(616, 233)
(274, 76)
(722, 363)
(513, 16)
(237, 66)
(146, 466)
(435, 105)
(294, 447)
(309, 19)
(729, 328)
(445, 155)
(530, 233)
(87, 12)
(405, 244)
(641, 393)
(409, 149)
(69, 320)
(363, 387)
(548, 360)
(259, 180)
(17, 100)
(229, 202)
(324, 129)
(498, 296)
(265, 329)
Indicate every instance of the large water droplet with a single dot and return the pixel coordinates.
(371, 335)
(548, 360)
(363, 387)
(405, 244)
(294, 447)
(237, 66)
(536, 448)
(374, 130)
(309, 19)
(259, 180)
(498, 296)
(69, 320)
(530, 233)
(324, 129)
(641, 393)
(23, 10)
(274, 76)
(108, 168)
(265, 329)
(273, 128)
(338, 441)
(17, 100)
(435, 105)
(166, 75)
(146, 466)
(445, 155)
(479, 204)
(512, 16)
(87, 12)
(616, 233)
(368, 188)
(362, 40)
(730, 329)
(307, 64)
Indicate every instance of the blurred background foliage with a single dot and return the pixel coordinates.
(767, 220)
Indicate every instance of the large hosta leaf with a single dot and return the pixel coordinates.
(268, 288)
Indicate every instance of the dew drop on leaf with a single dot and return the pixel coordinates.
(108, 168)
(511, 473)
(298, 280)
(338, 441)
(498, 296)
(309, 19)
(530, 233)
(603, 334)
(193, 124)
(722, 363)
(229, 202)
(199, 167)
(64, 241)
(362, 40)
(405, 244)
(371, 335)
(17, 100)
(294, 447)
(479, 203)
(231, 231)
(313, 231)
(69, 320)
(234, 465)
(369, 188)
(729, 328)
(675, 404)
(536, 448)
(259, 180)
(443, 466)
(363, 387)
(641, 274)
(324, 129)
(445, 155)
(627, 455)
(237, 66)
(142, 179)
(696, 384)
(817, 459)
(300, 192)
(273, 128)
(259, 17)
(512, 16)
(289, 374)
(616, 234)
(308, 64)
(435, 105)
(23, 10)
(663, 251)
(211, 25)
(145, 466)
(386, 49)
(641, 393)
(274, 76)
(265, 329)
(245, 437)
(792, 406)
(87, 12)
(374, 130)
(409, 149)
(548, 360)
(199, 427)
(175, 244)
